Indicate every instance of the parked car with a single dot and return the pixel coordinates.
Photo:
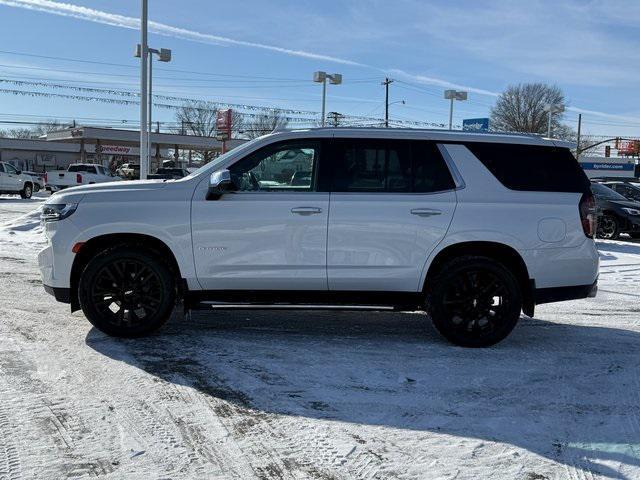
(629, 190)
(617, 214)
(472, 228)
(13, 181)
(168, 173)
(129, 171)
(37, 179)
(77, 174)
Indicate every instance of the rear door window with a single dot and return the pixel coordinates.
(532, 167)
(373, 165)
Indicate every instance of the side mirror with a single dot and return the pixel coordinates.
(219, 183)
(19, 172)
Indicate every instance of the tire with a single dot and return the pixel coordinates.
(608, 227)
(26, 192)
(474, 301)
(635, 235)
(127, 292)
(36, 188)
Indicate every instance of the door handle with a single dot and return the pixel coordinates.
(306, 210)
(426, 212)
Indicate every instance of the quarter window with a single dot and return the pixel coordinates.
(532, 167)
(284, 166)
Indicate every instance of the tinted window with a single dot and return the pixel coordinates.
(82, 168)
(283, 166)
(601, 191)
(1, 167)
(363, 165)
(531, 167)
(10, 168)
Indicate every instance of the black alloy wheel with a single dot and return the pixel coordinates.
(475, 302)
(608, 227)
(127, 292)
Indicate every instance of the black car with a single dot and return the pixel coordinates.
(169, 173)
(616, 213)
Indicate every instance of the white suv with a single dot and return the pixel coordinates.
(472, 228)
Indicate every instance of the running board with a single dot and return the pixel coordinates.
(286, 306)
(302, 300)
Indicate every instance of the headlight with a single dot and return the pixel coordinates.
(631, 211)
(57, 211)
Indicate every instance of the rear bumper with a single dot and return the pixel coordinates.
(561, 294)
(61, 294)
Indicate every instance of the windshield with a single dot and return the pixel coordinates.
(601, 191)
(222, 158)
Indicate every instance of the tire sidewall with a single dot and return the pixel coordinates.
(168, 285)
(616, 228)
(440, 318)
(27, 191)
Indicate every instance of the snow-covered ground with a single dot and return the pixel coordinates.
(321, 395)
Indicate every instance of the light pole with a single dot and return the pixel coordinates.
(321, 77)
(551, 109)
(454, 95)
(164, 55)
(144, 155)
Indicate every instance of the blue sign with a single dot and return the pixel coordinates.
(607, 166)
(475, 125)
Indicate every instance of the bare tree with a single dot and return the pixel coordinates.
(33, 132)
(264, 123)
(199, 118)
(521, 108)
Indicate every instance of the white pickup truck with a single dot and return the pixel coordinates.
(77, 174)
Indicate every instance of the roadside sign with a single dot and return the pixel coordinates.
(223, 124)
(475, 125)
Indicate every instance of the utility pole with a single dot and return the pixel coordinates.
(335, 118)
(578, 139)
(144, 152)
(386, 83)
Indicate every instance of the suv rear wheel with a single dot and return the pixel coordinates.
(474, 301)
(127, 292)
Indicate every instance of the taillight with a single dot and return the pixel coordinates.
(45, 177)
(78, 178)
(587, 209)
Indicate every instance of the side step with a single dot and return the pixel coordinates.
(302, 300)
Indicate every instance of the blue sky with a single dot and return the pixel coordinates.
(264, 53)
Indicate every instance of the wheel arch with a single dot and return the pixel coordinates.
(500, 252)
(104, 242)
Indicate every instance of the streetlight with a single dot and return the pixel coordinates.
(321, 77)
(144, 156)
(454, 95)
(164, 55)
(551, 109)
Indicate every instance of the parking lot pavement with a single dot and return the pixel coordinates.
(260, 394)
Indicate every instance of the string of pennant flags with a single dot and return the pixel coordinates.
(132, 98)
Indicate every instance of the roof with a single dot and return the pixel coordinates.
(427, 134)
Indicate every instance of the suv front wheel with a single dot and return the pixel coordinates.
(474, 301)
(127, 292)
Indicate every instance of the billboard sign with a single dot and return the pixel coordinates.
(475, 125)
(223, 124)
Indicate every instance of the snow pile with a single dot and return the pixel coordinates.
(25, 229)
